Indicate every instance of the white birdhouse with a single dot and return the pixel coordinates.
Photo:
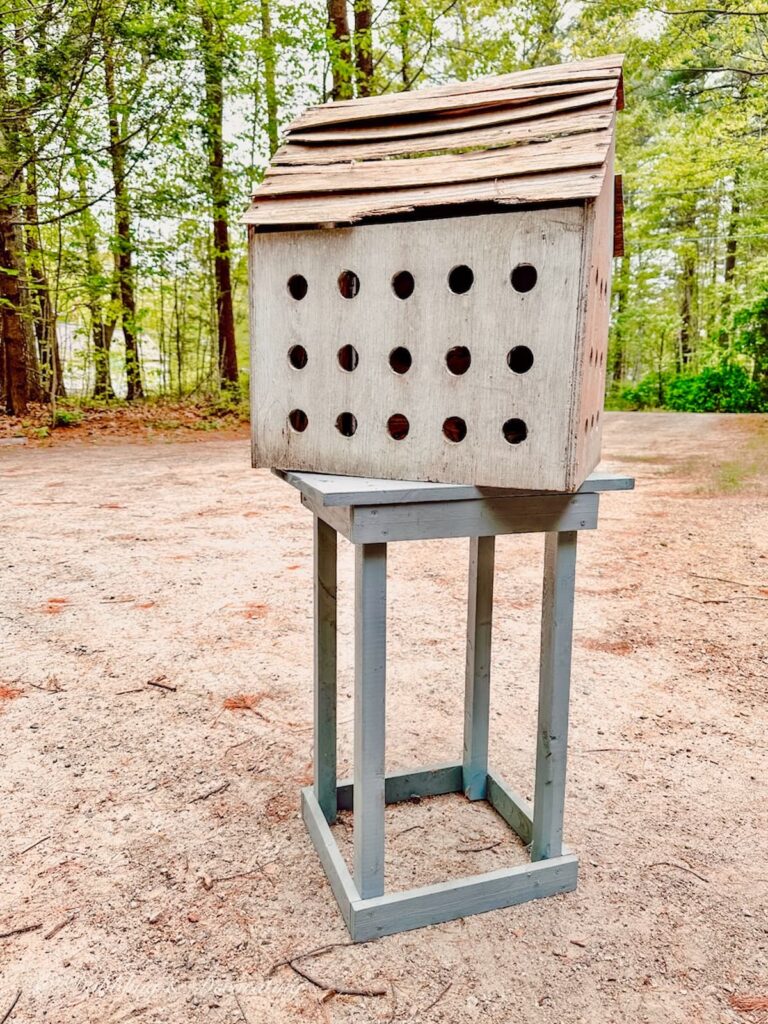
(430, 282)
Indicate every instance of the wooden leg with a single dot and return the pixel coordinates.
(370, 705)
(554, 689)
(478, 674)
(325, 668)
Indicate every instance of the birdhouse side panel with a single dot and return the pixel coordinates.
(589, 393)
(438, 350)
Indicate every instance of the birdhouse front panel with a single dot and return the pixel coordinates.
(426, 350)
(429, 283)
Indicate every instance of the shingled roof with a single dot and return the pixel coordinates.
(537, 136)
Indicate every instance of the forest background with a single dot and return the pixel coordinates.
(133, 131)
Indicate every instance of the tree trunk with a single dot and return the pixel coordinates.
(731, 245)
(364, 46)
(687, 333)
(101, 332)
(404, 42)
(213, 127)
(341, 52)
(270, 64)
(123, 247)
(17, 341)
(43, 313)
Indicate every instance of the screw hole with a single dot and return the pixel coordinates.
(297, 357)
(458, 359)
(398, 426)
(520, 359)
(297, 286)
(403, 284)
(348, 357)
(515, 431)
(461, 279)
(349, 284)
(298, 420)
(524, 277)
(400, 359)
(455, 429)
(346, 423)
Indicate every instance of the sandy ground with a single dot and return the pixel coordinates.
(174, 563)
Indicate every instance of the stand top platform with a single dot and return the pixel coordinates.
(348, 491)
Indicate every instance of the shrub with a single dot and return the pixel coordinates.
(65, 418)
(726, 387)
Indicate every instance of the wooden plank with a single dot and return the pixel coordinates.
(551, 187)
(370, 717)
(325, 667)
(541, 130)
(554, 691)
(447, 901)
(587, 150)
(512, 807)
(477, 687)
(618, 215)
(403, 786)
(460, 94)
(329, 490)
(579, 105)
(486, 518)
(430, 322)
(336, 870)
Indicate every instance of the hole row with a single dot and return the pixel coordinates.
(460, 279)
(458, 359)
(591, 421)
(515, 430)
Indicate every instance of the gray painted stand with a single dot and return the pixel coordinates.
(371, 513)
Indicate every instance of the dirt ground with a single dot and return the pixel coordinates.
(155, 705)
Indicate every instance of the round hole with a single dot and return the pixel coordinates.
(515, 431)
(346, 423)
(298, 420)
(586, 426)
(349, 284)
(400, 359)
(591, 356)
(297, 286)
(348, 357)
(592, 422)
(458, 359)
(461, 279)
(398, 426)
(297, 357)
(601, 358)
(520, 359)
(403, 284)
(523, 277)
(455, 429)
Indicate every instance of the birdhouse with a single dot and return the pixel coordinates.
(430, 282)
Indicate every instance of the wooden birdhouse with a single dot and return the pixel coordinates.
(430, 282)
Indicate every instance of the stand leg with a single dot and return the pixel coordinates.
(554, 688)
(370, 705)
(325, 668)
(478, 675)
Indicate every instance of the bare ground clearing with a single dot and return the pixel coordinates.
(158, 824)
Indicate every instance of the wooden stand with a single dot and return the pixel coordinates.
(371, 513)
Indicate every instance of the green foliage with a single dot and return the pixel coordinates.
(725, 387)
(67, 418)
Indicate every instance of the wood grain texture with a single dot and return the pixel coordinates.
(477, 684)
(541, 130)
(489, 319)
(339, 210)
(324, 555)
(336, 870)
(554, 692)
(403, 786)
(447, 901)
(483, 119)
(331, 491)
(461, 94)
(370, 718)
(587, 150)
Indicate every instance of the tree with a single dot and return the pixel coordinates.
(212, 51)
